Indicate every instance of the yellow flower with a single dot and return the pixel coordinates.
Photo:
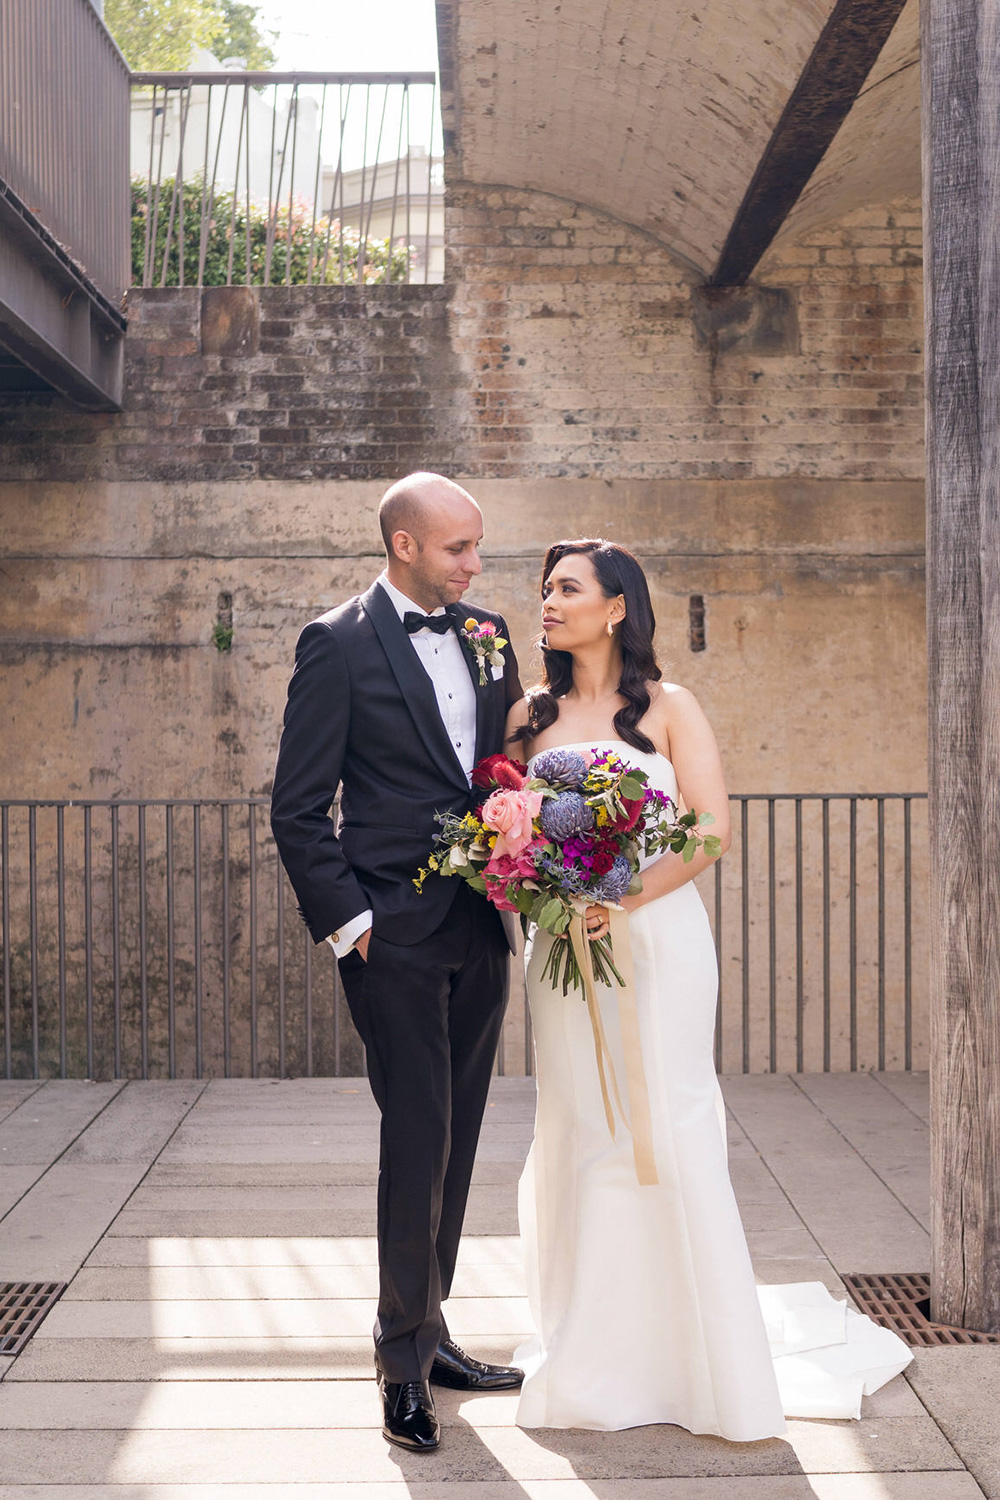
(432, 861)
(471, 623)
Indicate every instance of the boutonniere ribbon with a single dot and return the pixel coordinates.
(486, 646)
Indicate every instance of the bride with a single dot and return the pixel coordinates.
(643, 1297)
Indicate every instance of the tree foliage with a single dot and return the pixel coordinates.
(162, 35)
(324, 255)
(238, 34)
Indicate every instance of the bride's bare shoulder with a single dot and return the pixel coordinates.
(671, 707)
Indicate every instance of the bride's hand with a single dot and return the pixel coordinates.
(597, 922)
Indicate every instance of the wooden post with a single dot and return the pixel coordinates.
(960, 63)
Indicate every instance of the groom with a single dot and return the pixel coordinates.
(386, 702)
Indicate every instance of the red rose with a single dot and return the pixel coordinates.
(500, 771)
(633, 812)
(602, 860)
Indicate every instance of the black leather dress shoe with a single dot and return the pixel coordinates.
(408, 1416)
(453, 1367)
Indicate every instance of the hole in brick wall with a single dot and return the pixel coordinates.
(222, 630)
(696, 622)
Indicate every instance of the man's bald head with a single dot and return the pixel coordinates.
(432, 529)
(412, 505)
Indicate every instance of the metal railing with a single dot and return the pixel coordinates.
(64, 91)
(271, 179)
(161, 939)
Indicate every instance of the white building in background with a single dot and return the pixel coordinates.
(376, 197)
(216, 136)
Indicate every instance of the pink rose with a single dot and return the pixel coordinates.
(510, 815)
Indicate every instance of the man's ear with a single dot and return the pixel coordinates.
(404, 546)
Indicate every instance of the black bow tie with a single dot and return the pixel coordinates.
(414, 621)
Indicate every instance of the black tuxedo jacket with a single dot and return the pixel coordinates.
(362, 714)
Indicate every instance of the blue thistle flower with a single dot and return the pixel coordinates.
(565, 815)
(613, 885)
(565, 767)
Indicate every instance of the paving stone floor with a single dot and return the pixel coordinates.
(214, 1342)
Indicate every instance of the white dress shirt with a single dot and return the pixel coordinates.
(443, 659)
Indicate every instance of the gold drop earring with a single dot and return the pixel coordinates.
(611, 628)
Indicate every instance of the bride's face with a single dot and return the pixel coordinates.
(575, 609)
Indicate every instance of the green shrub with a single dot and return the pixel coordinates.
(293, 238)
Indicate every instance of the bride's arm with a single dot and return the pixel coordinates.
(679, 725)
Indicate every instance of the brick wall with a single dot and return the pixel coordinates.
(342, 382)
(564, 345)
(578, 336)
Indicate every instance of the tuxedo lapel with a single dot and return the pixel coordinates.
(414, 684)
(487, 728)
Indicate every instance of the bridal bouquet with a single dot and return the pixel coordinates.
(549, 843)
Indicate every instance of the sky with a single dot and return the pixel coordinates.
(347, 36)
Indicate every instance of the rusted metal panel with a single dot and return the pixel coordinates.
(64, 100)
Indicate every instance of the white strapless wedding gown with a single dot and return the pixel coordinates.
(643, 1298)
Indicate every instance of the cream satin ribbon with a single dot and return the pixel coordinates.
(640, 1124)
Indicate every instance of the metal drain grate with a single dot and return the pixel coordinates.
(902, 1301)
(23, 1305)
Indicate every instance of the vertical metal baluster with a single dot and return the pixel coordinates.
(293, 110)
(853, 907)
(151, 269)
(33, 932)
(280, 876)
(272, 209)
(881, 934)
(203, 254)
(61, 917)
(360, 263)
(430, 164)
(907, 940)
(116, 957)
(409, 141)
(395, 182)
(171, 992)
(88, 931)
(336, 1020)
(826, 935)
(252, 836)
(246, 95)
(199, 1037)
(147, 254)
(236, 194)
(309, 1004)
(745, 918)
(226, 1038)
(8, 1051)
(772, 946)
(799, 964)
(203, 218)
(316, 188)
(718, 963)
(143, 956)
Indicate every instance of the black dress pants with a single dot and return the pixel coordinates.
(430, 1016)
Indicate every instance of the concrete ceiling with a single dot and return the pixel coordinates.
(658, 111)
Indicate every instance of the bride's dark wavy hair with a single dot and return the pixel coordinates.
(617, 572)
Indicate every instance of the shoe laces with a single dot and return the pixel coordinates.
(411, 1391)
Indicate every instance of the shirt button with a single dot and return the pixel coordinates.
(336, 937)
(449, 695)
(458, 744)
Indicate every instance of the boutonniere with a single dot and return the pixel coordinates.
(486, 646)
